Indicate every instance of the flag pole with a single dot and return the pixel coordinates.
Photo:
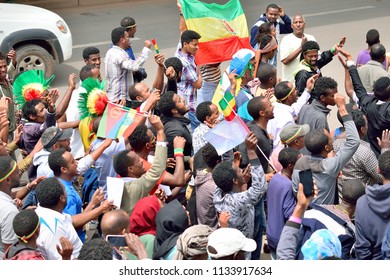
(261, 151)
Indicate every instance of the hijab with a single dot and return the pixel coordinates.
(143, 217)
(171, 221)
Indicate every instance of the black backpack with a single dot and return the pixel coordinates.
(90, 185)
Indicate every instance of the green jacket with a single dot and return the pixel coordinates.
(139, 188)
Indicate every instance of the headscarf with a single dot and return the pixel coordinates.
(322, 244)
(192, 242)
(272, 45)
(143, 217)
(171, 221)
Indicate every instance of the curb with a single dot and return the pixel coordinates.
(58, 4)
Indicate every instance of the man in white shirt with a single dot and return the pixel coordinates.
(119, 66)
(73, 113)
(52, 199)
(288, 106)
(291, 46)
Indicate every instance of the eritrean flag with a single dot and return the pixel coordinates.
(223, 29)
(117, 121)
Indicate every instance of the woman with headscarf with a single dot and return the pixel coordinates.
(171, 221)
(192, 243)
(143, 221)
(267, 28)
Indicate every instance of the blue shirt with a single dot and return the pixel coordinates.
(73, 204)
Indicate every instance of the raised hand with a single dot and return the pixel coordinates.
(66, 248)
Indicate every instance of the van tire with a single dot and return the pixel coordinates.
(30, 57)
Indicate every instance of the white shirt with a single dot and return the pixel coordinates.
(8, 211)
(119, 69)
(41, 159)
(289, 44)
(54, 225)
(73, 114)
(284, 115)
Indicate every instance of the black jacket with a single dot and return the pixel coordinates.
(378, 115)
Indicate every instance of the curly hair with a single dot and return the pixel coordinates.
(166, 103)
(49, 192)
(139, 138)
(203, 111)
(25, 222)
(323, 85)
(210, 155)
(56, 161)
(28, 108)
(223, 175)
(96, 249)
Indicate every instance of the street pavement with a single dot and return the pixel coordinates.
(328, 21)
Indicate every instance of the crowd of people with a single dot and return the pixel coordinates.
(182, 200)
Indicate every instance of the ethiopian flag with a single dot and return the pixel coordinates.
(228, 105)
(223, 29)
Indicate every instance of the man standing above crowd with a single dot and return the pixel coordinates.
(119, 66)
(191, 78)
(291, 47)
(272, 14)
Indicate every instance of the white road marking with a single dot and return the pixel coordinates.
(339, 11)
(98, 43)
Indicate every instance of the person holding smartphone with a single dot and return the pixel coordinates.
(326, 169)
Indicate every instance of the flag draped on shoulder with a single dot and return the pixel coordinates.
(227, 103)
(227, 134)
(223, 29)
(223, 97)
(117, 121)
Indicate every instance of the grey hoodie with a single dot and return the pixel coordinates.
(205, 188)
(372, 219)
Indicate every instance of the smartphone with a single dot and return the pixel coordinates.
(116, 240)
(306, 178)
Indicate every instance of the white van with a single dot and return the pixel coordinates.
(40, 37)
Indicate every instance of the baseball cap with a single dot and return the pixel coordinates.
(227, 241)
(292, 131)
(53, 134)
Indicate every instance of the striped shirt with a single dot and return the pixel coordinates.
(189, 76)
(210, 72)
(119, 71)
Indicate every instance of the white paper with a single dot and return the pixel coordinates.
(167, 189)
(115, 190)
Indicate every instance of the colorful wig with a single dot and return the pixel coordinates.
(30, 85)
(94, 101)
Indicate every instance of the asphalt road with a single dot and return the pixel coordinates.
(328, 21)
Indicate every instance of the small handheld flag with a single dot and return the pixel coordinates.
(155, 46)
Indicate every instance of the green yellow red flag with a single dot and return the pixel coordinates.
(223, 29)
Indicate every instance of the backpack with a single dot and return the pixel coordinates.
(309, 226)
(90, 185)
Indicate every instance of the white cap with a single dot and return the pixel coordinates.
(227, 241)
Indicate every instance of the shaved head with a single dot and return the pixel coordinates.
(115, 222)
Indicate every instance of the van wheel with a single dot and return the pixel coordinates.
(30, 57)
